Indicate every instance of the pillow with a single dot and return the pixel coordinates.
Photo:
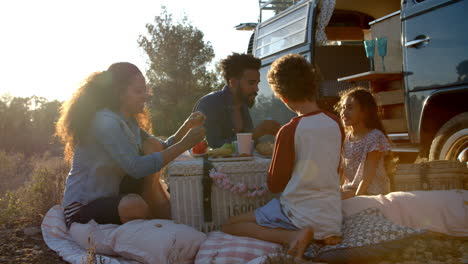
(156, 241)
(222, 248)
(366, 235)
(441, 211)
(92, 235)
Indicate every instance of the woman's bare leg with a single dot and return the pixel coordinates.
(154, 191)
(132, 207)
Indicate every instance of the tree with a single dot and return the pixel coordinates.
(178, 75)
(27, 125)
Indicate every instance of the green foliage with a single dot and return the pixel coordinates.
(178, 57)
(43, 190)
(27, 124)
(14, 170)
(10, 207)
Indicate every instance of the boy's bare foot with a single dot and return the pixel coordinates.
(333, 240)
(300, 241)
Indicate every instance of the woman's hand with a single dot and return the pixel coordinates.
(194, 120)
(193, 136)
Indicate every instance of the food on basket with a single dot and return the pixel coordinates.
(226, 151)
(230, 146)
(200, 148)
(265, 148)
(220, 152)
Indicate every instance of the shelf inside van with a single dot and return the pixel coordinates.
(372, 76)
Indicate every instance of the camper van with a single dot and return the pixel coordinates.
(421, 84)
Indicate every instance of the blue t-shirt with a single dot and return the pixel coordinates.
(219, 123)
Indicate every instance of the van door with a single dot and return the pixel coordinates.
(435, 51)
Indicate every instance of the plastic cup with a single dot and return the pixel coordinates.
(244, 143)
(236, 145)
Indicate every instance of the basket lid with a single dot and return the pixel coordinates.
(194, 167)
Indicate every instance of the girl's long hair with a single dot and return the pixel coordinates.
(372, 120)
(99, 90)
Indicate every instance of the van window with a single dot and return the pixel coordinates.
(283, 33)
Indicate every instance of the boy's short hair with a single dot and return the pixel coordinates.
(235, 65)
(293, 78)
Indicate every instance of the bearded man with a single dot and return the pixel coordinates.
(227, 110)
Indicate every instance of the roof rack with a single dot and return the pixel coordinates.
(274, 5)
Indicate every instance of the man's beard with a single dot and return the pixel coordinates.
(248, 99)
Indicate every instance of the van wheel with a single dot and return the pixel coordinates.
(451, 141)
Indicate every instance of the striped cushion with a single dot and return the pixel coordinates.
(222, 248)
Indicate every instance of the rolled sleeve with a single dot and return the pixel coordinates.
(109, 133)
(169, 142)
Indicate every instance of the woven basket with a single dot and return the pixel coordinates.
(187, 206)
(432, 175)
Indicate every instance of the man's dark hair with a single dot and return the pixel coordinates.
(235, 65)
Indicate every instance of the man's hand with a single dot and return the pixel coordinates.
(266, 127)
(194, 120)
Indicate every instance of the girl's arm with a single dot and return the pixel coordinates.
(370, 169)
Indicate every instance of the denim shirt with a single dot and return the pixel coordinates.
(219, 123)
(110, 151)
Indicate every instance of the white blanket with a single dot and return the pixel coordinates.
(155, 241)
(57, 237)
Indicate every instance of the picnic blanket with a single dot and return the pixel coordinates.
(154, 241)
(439, 211)
(57, 237)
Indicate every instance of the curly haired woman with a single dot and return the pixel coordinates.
(115, 163)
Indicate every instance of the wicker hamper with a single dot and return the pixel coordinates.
(432, 175)
(190, 207)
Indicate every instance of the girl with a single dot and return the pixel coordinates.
(366, 150)
(113, 178)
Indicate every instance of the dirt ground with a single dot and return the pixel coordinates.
(21, 242)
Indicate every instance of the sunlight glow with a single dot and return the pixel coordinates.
(48, 47)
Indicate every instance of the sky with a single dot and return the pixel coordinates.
(48, 47)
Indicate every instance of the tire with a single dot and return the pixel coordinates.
(451, 140)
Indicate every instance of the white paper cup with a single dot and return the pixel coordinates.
(236, 146)
(244, 144)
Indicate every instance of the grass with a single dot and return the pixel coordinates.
(91, 256)
(43, 180)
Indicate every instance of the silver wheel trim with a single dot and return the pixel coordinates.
(454, 144)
